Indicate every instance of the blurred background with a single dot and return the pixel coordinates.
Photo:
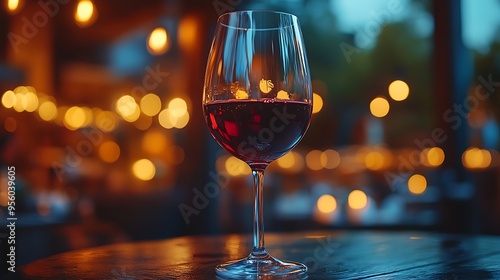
(101, 117)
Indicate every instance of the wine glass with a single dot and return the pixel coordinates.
(257, 103)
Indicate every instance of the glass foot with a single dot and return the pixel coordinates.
(261, 266)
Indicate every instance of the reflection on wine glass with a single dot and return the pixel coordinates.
(257, 102)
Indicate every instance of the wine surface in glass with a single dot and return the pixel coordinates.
(258, 131)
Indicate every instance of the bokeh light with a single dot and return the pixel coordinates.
(9, 99)
(374, 160)
(432, 157)
(74, 118)
(128, 108)
(109, 151)
(234, 166)
(475, 158)
(182, 121)
(158, 41)
(13, 6)
(357, 199)
(177, 106)
(399, 90)
(291, 162)
(106, 121)
(313, 160)
(379, 107)
(326, 204)
(150, 104)
(47, 110)
(85, 13)
(176, 114)
(31, 100)
(417, 184)
(317, 103)
(330, 159)
(286, 161)
(144, 169)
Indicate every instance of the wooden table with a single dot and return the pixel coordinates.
(328, 255)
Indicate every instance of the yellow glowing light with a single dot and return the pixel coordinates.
(379, 107)
(134, 116)
(31, 101)
(158, 41)
(9, 99)
(374, 160)
(282, 95)
(13, 5)
(126, 106)
(476, 158)
(150, 104)
(241, 94)
(109, 151)
(144, 169)
(47, 111)
(399, 90)
(21, 102)
(432, 157)
(177, 106)
(313, 160)
(182, 121)
(155, 142)
(106, 121)
(330, 159)
(84, 12)
(326, 204)
(166, 120)
(235, 166)
(10, 124)
(317, 103)
(286, 161)
(266, 86)
(89, 116)
(357, 199)
(417, 184)
(74, 118)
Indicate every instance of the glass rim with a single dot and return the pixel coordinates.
(273, 12)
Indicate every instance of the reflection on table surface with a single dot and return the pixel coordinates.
(328, 255)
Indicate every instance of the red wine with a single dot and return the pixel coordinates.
(258, 132)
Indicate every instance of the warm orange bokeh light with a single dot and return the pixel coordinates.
(379, 107)
(399, 90)
(326, 204)
(158, 41)
(475, 158)
(357, 199)
(417, 184)
(85, 13)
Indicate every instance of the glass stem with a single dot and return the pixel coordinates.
(258, 215)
